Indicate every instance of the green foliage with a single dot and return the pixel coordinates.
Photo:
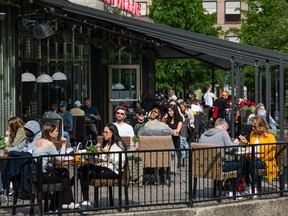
(92, 149)
(3, 144)
(265, 24)
(190, 16)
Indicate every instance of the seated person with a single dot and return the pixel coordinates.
(23, 149)
(16, 132)
(51, 175)
(154, 126)
(139, 120)
(261, 133)
(220, 136)
(109, 166)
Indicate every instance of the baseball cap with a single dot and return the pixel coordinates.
(77, 103)
(62, 104)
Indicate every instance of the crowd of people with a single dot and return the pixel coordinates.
(168, 115)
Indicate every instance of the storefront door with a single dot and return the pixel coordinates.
(125, 88)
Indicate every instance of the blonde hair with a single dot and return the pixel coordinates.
(155, 114)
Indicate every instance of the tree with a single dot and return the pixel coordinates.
(190, 16)
(265, 24)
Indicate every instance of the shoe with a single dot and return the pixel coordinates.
(74, 205)
(229, 194)
(86, 203)
(65, 206)
(10, 193)
(255, 192)
(3, 199)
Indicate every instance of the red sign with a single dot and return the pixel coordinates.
(127, 5)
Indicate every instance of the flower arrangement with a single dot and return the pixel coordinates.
(3, 143)
(247, 105)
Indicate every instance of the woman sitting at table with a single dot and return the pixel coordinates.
(51, 175)
(16, 132)
(264, 154)
(108, 164)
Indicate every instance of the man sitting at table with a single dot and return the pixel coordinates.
(220, 136)
(123, 128)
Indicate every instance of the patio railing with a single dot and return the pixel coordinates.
(150, 178)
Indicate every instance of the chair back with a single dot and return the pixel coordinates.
(207, 162)
(78, 132)
(156, 159)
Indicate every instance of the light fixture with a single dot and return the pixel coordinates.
(42, 31)
(44, 78)
(59, 76)
(2, 15)
(28, 77)
(118, 86)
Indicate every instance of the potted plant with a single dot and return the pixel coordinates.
(3, 145)
(135, 139)
(91, 149)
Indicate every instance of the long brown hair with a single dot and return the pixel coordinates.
(262, 127)
(14, 123)
(46, 129)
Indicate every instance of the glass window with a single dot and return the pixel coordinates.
(143, 10)
(233, 39)
(231, 14)
(210, 6)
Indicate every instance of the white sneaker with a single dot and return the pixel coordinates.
(74, 205)
(85, 203)
(65, 206)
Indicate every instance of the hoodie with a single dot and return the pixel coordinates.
(216, 136)
(27, 145)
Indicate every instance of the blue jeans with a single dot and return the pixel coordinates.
(233, 165)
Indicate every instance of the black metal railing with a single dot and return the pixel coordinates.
(148, 178)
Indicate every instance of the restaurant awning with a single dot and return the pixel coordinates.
(177, 43)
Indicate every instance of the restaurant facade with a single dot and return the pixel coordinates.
(57, 50)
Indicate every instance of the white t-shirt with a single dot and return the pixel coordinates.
(208, 97)
(125, 129)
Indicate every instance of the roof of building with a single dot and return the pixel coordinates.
(177, 43)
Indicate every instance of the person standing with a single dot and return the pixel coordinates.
(91, 114)
(77, 111)
(208, 100)
(175, 122)
(67, 121)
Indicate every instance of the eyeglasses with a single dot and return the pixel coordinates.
(141, 114)
(106, 132)
(119, 113)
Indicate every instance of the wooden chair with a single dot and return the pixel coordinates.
(122, 181)
(156, 159)
(207, 163)
(126, 140)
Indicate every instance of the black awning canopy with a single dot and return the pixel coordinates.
(175, 43)
(178, 43)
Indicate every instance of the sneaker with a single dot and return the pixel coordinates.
(65, 206)
(3, 199)
(74, 205)
(86, 203)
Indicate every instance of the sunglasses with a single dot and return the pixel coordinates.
(119, 113)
